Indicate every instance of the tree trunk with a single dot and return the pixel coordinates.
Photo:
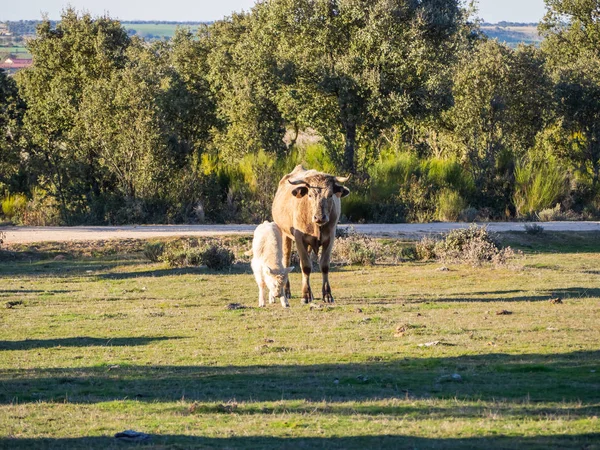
(350, 148)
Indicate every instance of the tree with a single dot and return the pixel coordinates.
(244, 78)
(78, 53)
(501, 98)
(353, 68)
(571, 29)
(12, 109)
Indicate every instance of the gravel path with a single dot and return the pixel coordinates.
(408, 231)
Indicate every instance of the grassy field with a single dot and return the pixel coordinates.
(513, 35)
(94, 345)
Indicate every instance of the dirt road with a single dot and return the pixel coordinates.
(408, 231)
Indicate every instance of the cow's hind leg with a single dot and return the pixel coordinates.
(287, 261)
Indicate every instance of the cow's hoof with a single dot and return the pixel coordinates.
(328, 299)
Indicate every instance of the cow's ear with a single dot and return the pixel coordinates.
(341, 191)
(300, 192)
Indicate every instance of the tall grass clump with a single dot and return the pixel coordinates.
(391, 171)
(450, 205)
(316, 156)
(406, 188)
(13, 205)
(538, 186)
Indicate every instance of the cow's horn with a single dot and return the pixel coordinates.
(297, 182)
(342, 180)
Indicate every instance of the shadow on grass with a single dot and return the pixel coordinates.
(52, 268)
(351, 442)
(570, 377)
(553, 241)
(30, 344)
(236, 269)
(6, 292)
(477, 297)
(544, 295)
(101, 268)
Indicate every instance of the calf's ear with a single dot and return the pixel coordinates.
(341, 191)
(289, 269)
(300, 192)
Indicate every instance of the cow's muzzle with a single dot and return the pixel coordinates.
(320, 221)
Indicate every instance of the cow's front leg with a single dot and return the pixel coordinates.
(287, 258)
(324, 264)
(306, 266)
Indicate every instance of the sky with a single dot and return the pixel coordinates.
(207, 10)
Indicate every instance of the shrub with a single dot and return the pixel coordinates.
(533, 228)
(154, 251)
(551, 214)
(408, 253)
(425, 248)
(189, 254)
(217, 257)
(468, 215)
(473, 245)
(355, 248)
(42, 210)
(449, 205)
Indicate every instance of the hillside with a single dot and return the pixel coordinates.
(513, 34)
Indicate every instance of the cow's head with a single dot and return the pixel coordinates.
(320, 190)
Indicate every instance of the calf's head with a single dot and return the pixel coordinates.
(276, 281)
(320, 190)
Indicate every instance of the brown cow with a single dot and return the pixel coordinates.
(307, 208)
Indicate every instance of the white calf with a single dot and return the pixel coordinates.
(267, 263)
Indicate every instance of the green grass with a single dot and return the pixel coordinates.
(96, 345)
(19, 51)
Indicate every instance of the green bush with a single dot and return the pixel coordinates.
(185, 254)
(41, 210)
(154, 251)
(217, 257)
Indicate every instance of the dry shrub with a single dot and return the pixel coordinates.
(473, 245)
(425, 248)
(355, 249)
(551, 214)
